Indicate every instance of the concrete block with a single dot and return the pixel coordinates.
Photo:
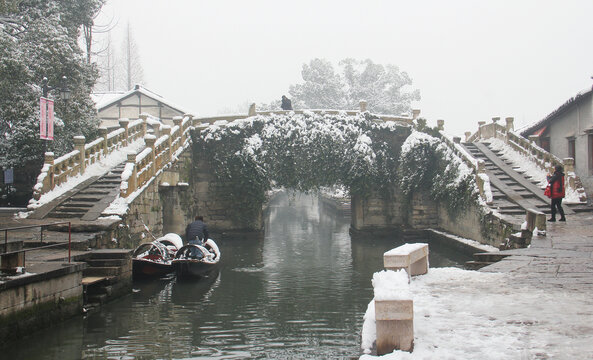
(411, 257)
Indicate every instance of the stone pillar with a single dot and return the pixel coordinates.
(535, 139)
(363, 105)
(178, 121)
(479, 181)
(167, 131)
(149, 140)
(495, 119)
(568, 164)
(510, 123)
(79, 145)
(124, 124)
(467, 134)
(456, 139)
(251, 111)
(415, 114)
(103, 134)
(357, 214)
(133, 179)
(441, 125)
(49, 160)
(144, 117)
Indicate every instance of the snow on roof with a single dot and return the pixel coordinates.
(581, 95)
(103, 100)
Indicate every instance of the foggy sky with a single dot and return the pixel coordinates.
(471, 60)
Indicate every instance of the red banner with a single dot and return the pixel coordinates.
(42, 118)
(50, 119)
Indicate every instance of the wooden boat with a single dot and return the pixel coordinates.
(153, 260)
(196, 260)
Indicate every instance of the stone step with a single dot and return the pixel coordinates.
(80, 204)
(68, 208)
(102, 271)
(88, 198)
(111, 254)
(490, 257)
(65, 214)
(476, 265)
(107, 262)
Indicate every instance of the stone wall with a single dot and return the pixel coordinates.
(40, 300)
(380, 210)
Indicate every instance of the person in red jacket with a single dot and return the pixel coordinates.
(556, 182)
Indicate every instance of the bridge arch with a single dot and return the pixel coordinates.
(236, 163)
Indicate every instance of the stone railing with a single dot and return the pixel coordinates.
(363, 107)
(160, 151)
(477, 165)
(528, 147)
(57, 171)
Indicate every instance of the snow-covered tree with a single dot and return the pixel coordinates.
(386, 89)
(46, 47)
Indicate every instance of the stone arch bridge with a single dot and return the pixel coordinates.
(156, 185)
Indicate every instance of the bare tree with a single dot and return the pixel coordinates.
(132, 72)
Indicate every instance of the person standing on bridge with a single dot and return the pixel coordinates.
(197, 231)
(556, 182)
(286, 103)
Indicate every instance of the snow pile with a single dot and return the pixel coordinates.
(391, 285)
(460, 314)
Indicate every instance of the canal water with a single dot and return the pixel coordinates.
(298, 293)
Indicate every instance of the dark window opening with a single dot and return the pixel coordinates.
(572, 149)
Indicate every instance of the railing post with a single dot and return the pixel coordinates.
(103, 133)
(415, 114)
(144, 117)
(480, 124)
(124, 124)
(178, 121)
(49, 159)
(167, 131)
(467, 134)
(252, 111)
(441, 124)
(149, 140)
(79, 145)
(510, 123)
(481, 169)
(363, 105)
(133, 179)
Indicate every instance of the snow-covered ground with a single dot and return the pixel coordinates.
(461, 314)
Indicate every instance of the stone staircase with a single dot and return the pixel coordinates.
(513, 192)
(108, 275)
(87, 200)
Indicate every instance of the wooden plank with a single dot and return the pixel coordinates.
(92, 280)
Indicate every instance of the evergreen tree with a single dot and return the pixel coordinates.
(46, 45)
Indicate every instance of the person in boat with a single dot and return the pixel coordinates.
(197, 231)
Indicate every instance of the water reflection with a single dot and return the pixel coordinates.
(300, 292)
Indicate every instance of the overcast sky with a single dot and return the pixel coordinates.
(471, 60)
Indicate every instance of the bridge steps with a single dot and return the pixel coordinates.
(87, 200)
(513, 191)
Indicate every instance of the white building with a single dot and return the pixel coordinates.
(130, 104)
(568, 132)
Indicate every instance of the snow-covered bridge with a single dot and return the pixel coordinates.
(160, 180)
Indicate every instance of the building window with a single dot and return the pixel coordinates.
(546, 144)
(572, 149)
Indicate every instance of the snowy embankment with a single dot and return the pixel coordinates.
(525, 164)
(99, 168)
(460, 314)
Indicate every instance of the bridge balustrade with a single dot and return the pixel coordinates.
(528, 147)
(55, 172)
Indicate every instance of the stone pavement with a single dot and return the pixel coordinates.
(561, 259)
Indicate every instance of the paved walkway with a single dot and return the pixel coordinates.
(561, 259)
